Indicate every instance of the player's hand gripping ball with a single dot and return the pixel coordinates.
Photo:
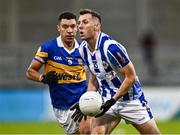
(90, 103)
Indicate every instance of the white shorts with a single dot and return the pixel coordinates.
(132, 111)
(65, 120)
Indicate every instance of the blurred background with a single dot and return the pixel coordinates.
(149, 29)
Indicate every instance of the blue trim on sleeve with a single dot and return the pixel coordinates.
(38, 60)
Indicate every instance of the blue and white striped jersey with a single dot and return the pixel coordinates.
(105, 62)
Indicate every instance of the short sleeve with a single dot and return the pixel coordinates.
(117, 55)
(42, 54)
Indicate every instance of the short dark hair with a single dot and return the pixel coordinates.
(89, 11)
(66, 15)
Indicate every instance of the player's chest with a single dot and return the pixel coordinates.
(100, 66)
(63, 57)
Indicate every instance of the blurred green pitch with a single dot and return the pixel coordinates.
(169, 127)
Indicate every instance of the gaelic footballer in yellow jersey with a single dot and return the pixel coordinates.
(64, 73)
(69, 68)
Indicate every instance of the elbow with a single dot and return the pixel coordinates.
(28, 74)
(132, 79)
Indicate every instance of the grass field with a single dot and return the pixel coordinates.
(170, 127)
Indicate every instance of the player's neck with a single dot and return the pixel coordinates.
(68, 45)
(92, 43)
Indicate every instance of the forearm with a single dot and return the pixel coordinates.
(124, 88)
(129, 78)
(93, 83)
(92, 87)
(33, 75)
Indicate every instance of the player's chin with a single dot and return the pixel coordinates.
(82, 37)
(70, 39)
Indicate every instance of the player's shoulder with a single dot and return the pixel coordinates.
(111, 44)
(49, 43)
(82, 45)
(106, 39)
(83, 48)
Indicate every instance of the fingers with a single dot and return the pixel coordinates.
(75, 106)
(74, 114)
(78, 117)
(103, 111)
(51, 72)
(85, 117)
(100, 113)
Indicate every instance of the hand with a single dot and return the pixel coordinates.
(50, 78)
(77, 115)
(105, 107)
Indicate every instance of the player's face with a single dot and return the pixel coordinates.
(67, 29)
(86, 27)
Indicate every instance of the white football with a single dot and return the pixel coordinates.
(90, 103)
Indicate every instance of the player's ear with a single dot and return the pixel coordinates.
(58, 28)
(96, 26)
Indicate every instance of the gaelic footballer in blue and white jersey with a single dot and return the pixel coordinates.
(70, 70)
(109, 56)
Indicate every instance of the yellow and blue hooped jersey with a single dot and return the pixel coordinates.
(69, 67)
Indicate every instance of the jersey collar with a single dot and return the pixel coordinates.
(60, 44)
(98, 41)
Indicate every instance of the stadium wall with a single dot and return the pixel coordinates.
(25, 105)
(34, 104)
